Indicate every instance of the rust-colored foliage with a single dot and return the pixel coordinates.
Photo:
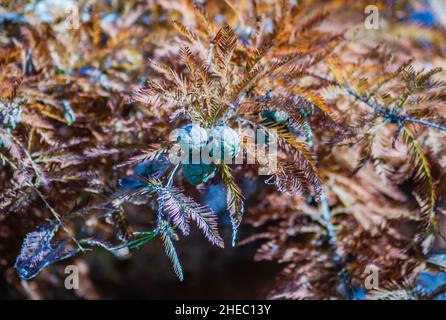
(359, 117)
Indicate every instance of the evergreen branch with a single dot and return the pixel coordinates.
(234, 200)
(166, 237)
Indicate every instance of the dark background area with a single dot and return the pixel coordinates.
(210, 273)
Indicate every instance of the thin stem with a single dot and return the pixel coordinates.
(169, 184)
(28, 155)
(331, 236)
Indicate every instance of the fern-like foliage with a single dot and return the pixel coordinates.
(359, 125)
